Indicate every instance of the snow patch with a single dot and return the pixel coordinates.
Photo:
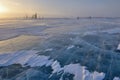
(82, 74)
(70, 47)
(118, 48)
(25, 58)
(56, 67)
(39, 61)
(48, 49)
(116, 78)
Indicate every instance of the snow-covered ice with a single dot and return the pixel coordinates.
(66, 45)
(32, 59)
(82, 74)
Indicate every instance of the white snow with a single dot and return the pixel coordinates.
(118, 48)
(79, 71)
(75, 69)
(25, 57)
(50, 49)
(56, 66)
(39, 61)
(116, 78)
(32, 59)
(70, 47)
(82, 74)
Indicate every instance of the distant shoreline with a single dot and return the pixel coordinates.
(22, 18)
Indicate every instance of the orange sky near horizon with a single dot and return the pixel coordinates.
(11, 9)
(60, 8)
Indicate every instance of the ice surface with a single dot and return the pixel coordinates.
(78, 47)
(18, 43)
(32, 59)
(25, 58)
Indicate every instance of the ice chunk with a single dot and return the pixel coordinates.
(75, 69)
(118, 48)
(116, 78)
(82, 74)
(98, 76)
(56, 66)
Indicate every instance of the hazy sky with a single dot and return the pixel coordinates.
(60, 8)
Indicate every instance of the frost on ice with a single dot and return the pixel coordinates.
(85, 49)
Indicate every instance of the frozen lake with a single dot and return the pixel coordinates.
(60, 49)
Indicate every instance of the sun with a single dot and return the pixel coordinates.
(3, 9)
